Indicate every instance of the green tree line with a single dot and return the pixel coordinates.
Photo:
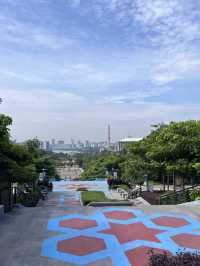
(22, 162)
(169, 150)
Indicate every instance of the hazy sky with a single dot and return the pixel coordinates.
(70, 67)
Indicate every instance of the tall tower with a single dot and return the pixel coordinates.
(109, 137)
(53, 142)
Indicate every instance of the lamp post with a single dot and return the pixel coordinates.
(44, 173)
(115, 174)
(146, 179)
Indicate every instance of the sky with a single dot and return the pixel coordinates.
(68, 68)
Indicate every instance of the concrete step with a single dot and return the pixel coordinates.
(111, 204)
(140, 202)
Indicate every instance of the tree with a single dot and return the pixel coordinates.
(133, 171)
(45, 162)
(5, 122)
(16, 163)
(33, 146)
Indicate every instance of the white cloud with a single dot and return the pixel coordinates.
(137, 95)
(171, 27)
(49, 114)
(166, 33)
(24, 77)
(175, 65)
(99, 76)
(74, 3)
(14, 31)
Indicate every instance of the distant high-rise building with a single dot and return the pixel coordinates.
(42, 145)
(73, 143)
(53, 142)
(80, 144)
(61, 142)
(47, 146)
(87, 144)
(109, 136)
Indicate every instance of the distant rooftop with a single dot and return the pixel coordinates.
(125, 140)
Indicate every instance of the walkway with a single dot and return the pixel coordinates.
(61, 232)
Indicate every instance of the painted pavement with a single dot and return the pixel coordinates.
(64, 186)
(124, 235)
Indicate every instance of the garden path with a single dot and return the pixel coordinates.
(61, 232)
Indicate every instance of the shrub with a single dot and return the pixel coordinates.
(180, 259)
(114, 183)
(30, 199)
(195, 194)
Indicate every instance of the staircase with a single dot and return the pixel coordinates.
(178, 197)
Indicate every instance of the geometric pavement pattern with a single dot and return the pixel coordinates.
(124, 235)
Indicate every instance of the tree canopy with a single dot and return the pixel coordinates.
(21, 162)
(168, 149)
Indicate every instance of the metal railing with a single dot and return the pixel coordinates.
(178, 197)
(135, 193)
(130, 194)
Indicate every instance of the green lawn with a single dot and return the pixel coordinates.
(93, 196)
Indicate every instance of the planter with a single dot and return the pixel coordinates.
(30, 202)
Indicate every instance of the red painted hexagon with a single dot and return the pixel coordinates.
(82, 245)
(187, 240)
(77, 223)
(119, 215)
(140, 256)
(170, 221)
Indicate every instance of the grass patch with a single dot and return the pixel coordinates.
(93, 196)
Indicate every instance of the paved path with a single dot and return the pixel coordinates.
(61, 232)
(113, 194)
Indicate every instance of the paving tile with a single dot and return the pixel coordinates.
(187, 240)
(82, 245)
(170, 221)
(119, 215)
(77, 223)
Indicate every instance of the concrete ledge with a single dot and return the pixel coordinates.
(191, 203)
(110, 203)
(1, 210)
(140, 201)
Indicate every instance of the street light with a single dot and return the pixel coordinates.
(115, 174)
(44, 173)
(146, 179)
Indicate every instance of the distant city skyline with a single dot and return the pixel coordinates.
(58, 145)
(75, 66)
(108, 138)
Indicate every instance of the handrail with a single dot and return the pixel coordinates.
(174, 195)
(179, 191)
(133, 194)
